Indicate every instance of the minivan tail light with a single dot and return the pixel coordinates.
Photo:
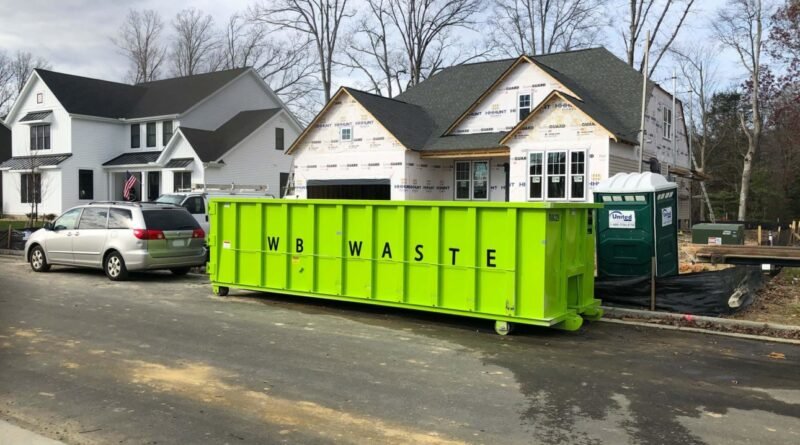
(198, 233)
(148, 234)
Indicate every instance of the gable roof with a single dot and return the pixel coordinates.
(409, 123)
(211, 145)
(101, 98)
(607, 90)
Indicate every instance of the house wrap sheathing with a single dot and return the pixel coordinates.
(542, 128)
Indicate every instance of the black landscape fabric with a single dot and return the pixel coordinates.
(702, 293)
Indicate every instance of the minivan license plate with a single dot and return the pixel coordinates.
(178, 243)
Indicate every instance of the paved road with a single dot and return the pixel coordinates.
(161, 360)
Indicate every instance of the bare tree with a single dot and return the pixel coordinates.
(194, 44)
(285, 62)
(699, 70)
(740, 26)
(425, 28)
(140, 40)
(14, 72)
(320, 20)
(664, 18)
(373, 50)
(545, 26)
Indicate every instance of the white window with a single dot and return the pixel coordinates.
(556, 174)
(346, 133)
(535, 176)
(667, 123)
(577, 174)
(523, 106)
(472, 180)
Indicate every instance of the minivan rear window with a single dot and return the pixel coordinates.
(169, 219)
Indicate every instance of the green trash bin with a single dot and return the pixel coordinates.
(530, 263)
(638, 222)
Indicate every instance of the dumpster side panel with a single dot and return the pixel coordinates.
(329, 255)
(422, 231)
(555, 273)
(357, 249)
(531, 272)
(302, 247)
(276, 232)
(390, 229)
(457, 257)
(494, 262)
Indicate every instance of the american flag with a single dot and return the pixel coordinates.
(130, 182)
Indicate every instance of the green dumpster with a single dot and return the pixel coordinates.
(719, 234)
(529, 263)
(638, 222)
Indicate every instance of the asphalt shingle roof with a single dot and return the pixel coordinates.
(27, 162)
(609, 90)
(211, 145)
(95, 97)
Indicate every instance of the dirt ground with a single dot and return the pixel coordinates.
(778, 302)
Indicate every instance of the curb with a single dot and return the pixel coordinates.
(10, 252)
(724, 326)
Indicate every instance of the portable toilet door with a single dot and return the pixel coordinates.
(638, 222)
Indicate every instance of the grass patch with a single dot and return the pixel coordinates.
(16, 224)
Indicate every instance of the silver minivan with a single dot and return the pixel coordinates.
(120, 237)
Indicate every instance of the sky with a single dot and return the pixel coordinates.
(75, 35)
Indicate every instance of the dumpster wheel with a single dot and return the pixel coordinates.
(220, 290)
(503, 327)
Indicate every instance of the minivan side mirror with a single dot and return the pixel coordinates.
(47, 226)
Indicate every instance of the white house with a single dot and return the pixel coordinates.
(540, 128)
(74, 139)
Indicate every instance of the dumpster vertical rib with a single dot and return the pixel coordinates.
(436, 299)
(342, 239)
(287, 257)
(403, 228)
(262, 254)
(473, 264)
(314, 249)
(511, 309)
(371, 250)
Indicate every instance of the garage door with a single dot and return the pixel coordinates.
(350, 189)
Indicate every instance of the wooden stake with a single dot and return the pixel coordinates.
(759, 234)
(9, 237)
(653, 283)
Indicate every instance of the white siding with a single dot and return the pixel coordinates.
(51, 194)
(244, 93)
(59, 128)
(498, 110)
(560, 126)
(256, 160)
(96, 142)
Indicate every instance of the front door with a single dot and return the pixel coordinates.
(59, 240)
(89, 239)
(153, 185)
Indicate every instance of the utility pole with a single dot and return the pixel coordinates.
(644, 99)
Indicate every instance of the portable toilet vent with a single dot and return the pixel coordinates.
(638, 222)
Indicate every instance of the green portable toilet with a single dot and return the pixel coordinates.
(638, 222)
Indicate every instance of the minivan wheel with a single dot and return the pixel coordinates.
(115, 267)
(180, 271)
(38, 260)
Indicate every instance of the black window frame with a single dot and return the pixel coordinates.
(166, 135)
(279, 139)
(40, 137)
(524, 110)
(180, 185)
(150, 136)
(136, 136)
(283, 179)
(24, 189)
(83, 175)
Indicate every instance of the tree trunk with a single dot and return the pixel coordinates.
(747, 171)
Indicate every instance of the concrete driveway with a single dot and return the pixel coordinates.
(161, 360)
